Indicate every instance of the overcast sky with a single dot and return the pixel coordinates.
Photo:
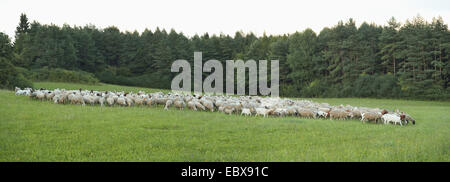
(225, 16)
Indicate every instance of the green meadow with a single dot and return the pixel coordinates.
(32, 130)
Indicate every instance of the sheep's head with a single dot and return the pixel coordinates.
(409, 118)
(384, 112)
(402, 117)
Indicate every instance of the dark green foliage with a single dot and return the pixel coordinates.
(61, 75)
(10, 77)
(23, 26)
(408, 61)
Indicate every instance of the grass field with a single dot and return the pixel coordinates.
(43, 131)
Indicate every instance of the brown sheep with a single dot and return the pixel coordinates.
(191, 105)
(371, 116)
(339, 114)
(179, 104)
(306, 113)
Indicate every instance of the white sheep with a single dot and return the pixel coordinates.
(168, 104)
(391, 118)
(246, 111)
(263, 111)
(121, 101)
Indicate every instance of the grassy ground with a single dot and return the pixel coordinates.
(43, 131)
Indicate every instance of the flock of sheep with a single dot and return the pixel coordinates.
(243, 105)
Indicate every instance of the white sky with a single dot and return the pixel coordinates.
(225, 16)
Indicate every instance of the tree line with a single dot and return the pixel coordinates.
(396, 60)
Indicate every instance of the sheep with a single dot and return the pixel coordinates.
(325, 109)
(89, 99)
(149, 101)
(55, 99)
(322, 114)
(110, 101)
(77, 99)
(191, 105)
(356, 113)
(263, 111)
(129, 101)
(291, 111)
(199, 105)
(208, 105)
(168, 104)
(22, 92)
(370, 116)
(408, 119)
(307, 113)
(228, 110)
(121, 101)
(339, 114)
(280, 112)
(101, 100)
(391, 118)
(180, 104)
(161, 101)
(246, 111)
(245, 105)
(40, 95)
(139, 101)
(49, 95)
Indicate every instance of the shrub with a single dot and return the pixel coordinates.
(61, 75)
(10, 77)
